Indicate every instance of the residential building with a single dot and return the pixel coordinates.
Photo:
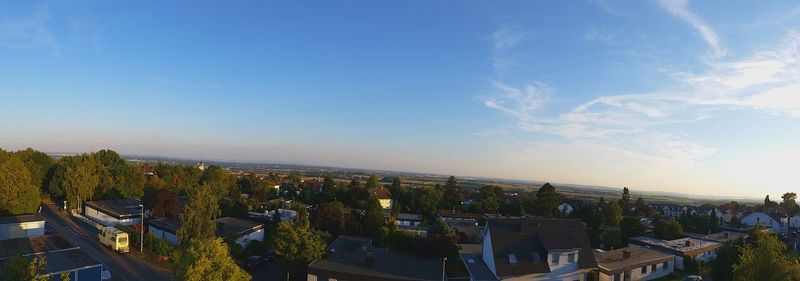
(165, 228)
(633, 264)
(244, 230)
(21, 226)
(355, 259)
(774, 221)
(114, 212)
(537, 249)
(670, 210)
(61, 256)
(700, 250)
(384, 197)
(720, 237)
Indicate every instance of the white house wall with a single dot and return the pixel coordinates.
(257, 235)
(107, 220)
(160, 234)
(636, 273)
(21, 230)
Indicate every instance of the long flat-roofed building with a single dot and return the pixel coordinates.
(21, 226)
(721, 237)
(114, 212)
(700, 250)
(61, 257)
(244, 230)
(634, 263)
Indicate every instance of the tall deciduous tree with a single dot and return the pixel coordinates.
(166, 204)
(199, 212)
(374, 219)
(547, 201)
(298, 244)
(19, 195)
(765, 260)
(80, 181)
(208, 259)
(452, 195)
(39, 165)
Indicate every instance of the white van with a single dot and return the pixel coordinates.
(114, 239)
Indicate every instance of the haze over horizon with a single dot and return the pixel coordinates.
(674, 96)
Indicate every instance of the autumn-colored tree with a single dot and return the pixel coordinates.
(19, 195)
(166, 204)
(329, 217)
(208, 259)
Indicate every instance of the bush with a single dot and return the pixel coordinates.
(691, 265)
(254, 248)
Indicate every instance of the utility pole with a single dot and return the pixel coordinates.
(141, 225)
(444, 261)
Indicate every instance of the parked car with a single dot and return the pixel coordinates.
(693, 278)
(255, 263)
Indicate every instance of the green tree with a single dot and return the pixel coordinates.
(80, 181)
(625, 201)
(727, 257)
(631, 227)
(298, 245)
(547, 201)
(691, 265)
(373, 182)
(765, 260)
(39, 165)
(428, 199)
(19, 195)
(199, 212)
(612, 214)
(208, 259)
(789, 204)
(21, 268)
(329, 217)
(667, 230)
(489, 202)
(612, 239)
(452, 195)
(374, 220)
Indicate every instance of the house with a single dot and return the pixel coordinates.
(114, 212)
(409, 222)
(700, 250)
(12, 227)
(384, 197)
(634, 263)
(721, 237)
(244, 230)
(355, 259)
(285, 214)
(670, 210)
(537, 249)
(61, 257)
(165, 228)
(774, 221)
(566, 208)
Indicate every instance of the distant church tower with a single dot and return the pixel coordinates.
(201, 165)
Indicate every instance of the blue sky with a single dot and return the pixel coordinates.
(695, 97)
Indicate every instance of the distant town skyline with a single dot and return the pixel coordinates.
(677, 96)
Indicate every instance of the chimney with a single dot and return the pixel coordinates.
(688, 242)
(369, 259)
(626, 254)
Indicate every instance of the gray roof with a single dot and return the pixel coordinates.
(20, 219)
(525, 237)
(237, 226)
(611, 262)
(477, 267)
(166, 224)
(346, 259)
(61, 255)
(33, 245)
(118, 208)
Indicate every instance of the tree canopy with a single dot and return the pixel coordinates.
(208, 259)
(200, 210)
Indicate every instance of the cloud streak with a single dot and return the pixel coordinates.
(29, 33)
(680, 9)
(504, 40)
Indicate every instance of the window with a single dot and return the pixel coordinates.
(512, 258)
(571, 258)
(617, 277)
(666, 265)
(644, 269)
(653, 268)
(554, 259)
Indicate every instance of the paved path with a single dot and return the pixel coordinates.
(122, 266)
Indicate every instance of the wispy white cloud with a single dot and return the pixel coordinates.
(680, 9)
(29, 33)
(503, 42)
(768, 81)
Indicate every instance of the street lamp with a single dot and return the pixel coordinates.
(141, 226)
(444, 276)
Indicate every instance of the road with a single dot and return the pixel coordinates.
(122, 266)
